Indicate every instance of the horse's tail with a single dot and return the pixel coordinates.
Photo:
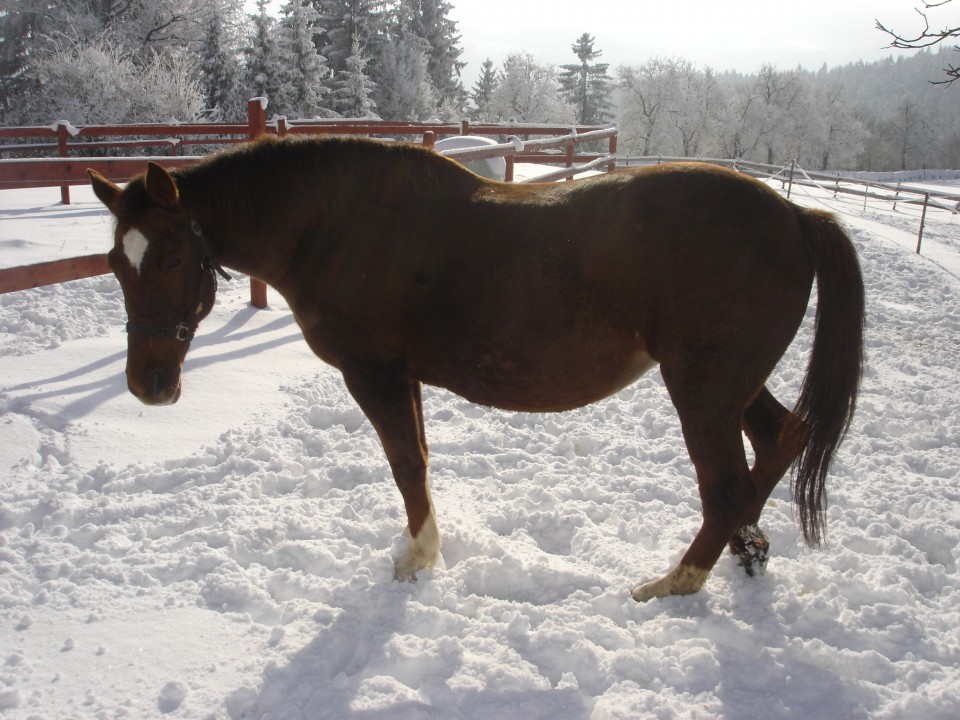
(828, 397)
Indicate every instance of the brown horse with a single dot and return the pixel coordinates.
(402, 268)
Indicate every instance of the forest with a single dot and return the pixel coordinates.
(117, 61)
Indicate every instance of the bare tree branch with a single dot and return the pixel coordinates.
(927, 38)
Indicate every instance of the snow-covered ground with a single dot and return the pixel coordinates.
(230, 556)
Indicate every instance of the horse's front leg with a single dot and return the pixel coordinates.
(394, 407)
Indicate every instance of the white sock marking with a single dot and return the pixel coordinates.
(420, 552)
(135, 247)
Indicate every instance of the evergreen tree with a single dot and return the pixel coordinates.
(303, 68)
(429, 20)
(404, 90)
(346, 20)
(220, 72)
(264, 72)
(586, 84)
(352, 89)
(482, 93)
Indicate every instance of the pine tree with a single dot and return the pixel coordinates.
(482, 93)
(352, 88)
(219, 72)
(586, 85)
(264, 74)
(304, 69)
(346, 20)
(404, 90)
(429, 20)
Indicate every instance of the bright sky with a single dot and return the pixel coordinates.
(723, 34)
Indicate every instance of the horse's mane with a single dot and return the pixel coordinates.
(270, 171)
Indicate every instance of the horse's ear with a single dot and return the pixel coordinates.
(106, 191)
(161, 186)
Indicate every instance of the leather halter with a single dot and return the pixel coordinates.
(187, 328)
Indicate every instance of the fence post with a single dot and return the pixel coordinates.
(464, 127)
(923, 220)
(897, 196)
(429, 139)
(62, 135)
(793, 164)
(612, 165)
(257, 126)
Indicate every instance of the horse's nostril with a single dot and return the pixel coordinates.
(155, 383)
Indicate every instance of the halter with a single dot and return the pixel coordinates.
(187, 328)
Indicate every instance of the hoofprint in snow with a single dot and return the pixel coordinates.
(231, 556)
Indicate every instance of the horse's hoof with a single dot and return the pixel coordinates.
(412, 554)
(751, 546)
(682, 580)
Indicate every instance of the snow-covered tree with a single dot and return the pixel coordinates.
(404, 90)
(529, 92)
(220, 71)
(99, 82)
(586, 84)
(646, 93)
(303, 69)
(351, 94)
(483, 89)
(833, 136)
(346, 20)
(696, 110)
(264, 65)
(430, 20)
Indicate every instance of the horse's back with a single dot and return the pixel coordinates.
(555, 296)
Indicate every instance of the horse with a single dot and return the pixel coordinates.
(401, 268)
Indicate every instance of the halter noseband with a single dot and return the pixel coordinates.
(187, 328)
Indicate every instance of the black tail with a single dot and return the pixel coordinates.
(828, 397)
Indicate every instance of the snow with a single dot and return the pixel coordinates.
(231, 556)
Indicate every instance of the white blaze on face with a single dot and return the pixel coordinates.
(134, 247)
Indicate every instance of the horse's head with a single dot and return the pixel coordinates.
(166, 271)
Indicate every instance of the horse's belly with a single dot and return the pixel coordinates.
(543, 384)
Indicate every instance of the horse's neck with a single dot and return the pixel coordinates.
(251, 225)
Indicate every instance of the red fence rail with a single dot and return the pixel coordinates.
(64, 171)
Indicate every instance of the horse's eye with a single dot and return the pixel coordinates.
(173, 263)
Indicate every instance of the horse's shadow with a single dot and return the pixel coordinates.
(359, 667)
(91, 392)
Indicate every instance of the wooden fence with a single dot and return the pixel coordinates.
(838, 183)
(551, 144)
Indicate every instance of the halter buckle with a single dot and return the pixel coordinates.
(183, 333)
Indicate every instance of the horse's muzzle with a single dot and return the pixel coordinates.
(155, 387)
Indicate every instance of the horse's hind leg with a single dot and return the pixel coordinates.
(762, 422)
(711, 429)
(395, 409)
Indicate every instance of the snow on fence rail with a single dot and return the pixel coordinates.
(65, 171)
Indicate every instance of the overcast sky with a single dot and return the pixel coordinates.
(723, 34)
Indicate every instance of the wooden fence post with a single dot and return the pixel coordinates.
(923, 220)
(793, 165)
(612, 165)
(429, 139)
(62, 135)
(257, 126)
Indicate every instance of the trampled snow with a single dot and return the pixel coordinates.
(230, 556)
